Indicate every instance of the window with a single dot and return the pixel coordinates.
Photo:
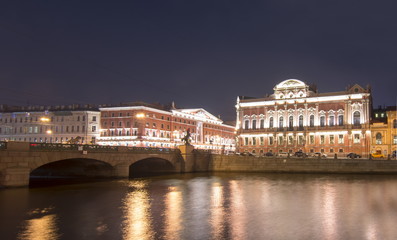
(120, 114)
(94, 118)
(311, 121)
(340, 139)
(322, 121)
(261, 140)
(395, 123)
(280, 140)
(112, 124)
(246, 124)
(120, 124)
(356, 118)
(356, 138)
(262, 123)
(280, 123)
(271, 141)
(340, 120)
(254, 141)
(300, 121)
(340, 150)
(93, 128)
(254, 124)
(395, 139)
(311, 139)
(291, 122)
(270, 122)
(246, 141)
(322, 139)
(378, 138)
(331, 120)
(300, 139)
(331, 139)
(290, 140)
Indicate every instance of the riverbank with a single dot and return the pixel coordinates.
(225, 163)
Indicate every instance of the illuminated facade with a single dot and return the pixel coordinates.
(297, 117)
(57, 125)
(384, 131)
(147, 126)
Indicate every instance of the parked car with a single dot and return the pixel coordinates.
(377, 155)
(282, 154)
(319, 154)
(269, 154)
(248, 154)
(353, 155)
(300, 154)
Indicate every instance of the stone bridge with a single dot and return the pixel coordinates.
(19, 159)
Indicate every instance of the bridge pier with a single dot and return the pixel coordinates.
(15, 177)
(188, 156)
(121, 171)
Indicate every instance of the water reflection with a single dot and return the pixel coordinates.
(238, 211)
(137, 219)
(173, 213)
(42, 227)
(217, 211)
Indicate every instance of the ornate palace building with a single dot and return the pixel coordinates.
(147, 125)
(384, 131)
(297, 117)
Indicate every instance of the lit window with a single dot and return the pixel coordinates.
(378, 138)
(356, 138)
(322, 139)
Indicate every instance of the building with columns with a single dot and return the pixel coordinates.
(146, 125)
(297, 117)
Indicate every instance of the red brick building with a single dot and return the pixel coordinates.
(149, 126)
(297, 117)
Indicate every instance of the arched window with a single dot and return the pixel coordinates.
(356, 118)
(395, 123)
(291, 122)
(271, 122)
(246, 124)
(262, 123)
(340, 120)
(331, 120)
(280, 122)
(378, 138)
(322, 121)
(311, 121)
(254, 124)
(300, 121)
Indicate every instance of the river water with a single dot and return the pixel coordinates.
(202, 206)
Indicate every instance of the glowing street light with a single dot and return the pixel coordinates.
(44, 119)
(140, 115)
(49, 131)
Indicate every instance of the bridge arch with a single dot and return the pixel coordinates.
(152, 166)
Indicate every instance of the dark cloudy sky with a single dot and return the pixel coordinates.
(196, 53)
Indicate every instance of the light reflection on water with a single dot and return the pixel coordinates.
(137, 220)
(194, 206)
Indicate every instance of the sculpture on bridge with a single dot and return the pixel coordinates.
(186, 138)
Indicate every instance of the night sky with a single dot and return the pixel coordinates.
(196, 53)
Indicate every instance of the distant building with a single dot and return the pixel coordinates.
(296, 117)
(154, 126)
(384, 131)
(60, 124)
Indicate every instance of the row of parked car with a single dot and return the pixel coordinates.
(302, 154)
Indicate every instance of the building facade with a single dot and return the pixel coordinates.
(147, 126)
(384, 131)
(298, 118)
(51, 125)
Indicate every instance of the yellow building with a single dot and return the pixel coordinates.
(384, 131)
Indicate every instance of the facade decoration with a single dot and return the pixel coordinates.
(298, 118)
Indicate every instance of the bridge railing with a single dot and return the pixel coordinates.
(96, 148)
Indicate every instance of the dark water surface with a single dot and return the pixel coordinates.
(198, 206)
